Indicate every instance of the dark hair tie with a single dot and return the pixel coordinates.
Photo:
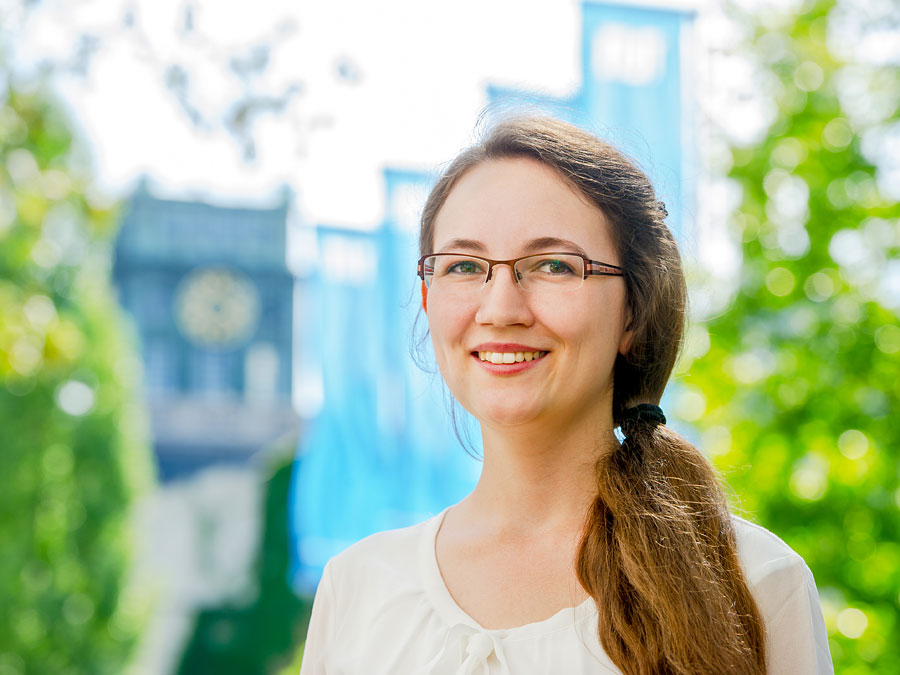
(643, 413)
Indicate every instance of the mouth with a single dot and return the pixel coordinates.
(509, 357)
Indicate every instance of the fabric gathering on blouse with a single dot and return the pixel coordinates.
(382, 608)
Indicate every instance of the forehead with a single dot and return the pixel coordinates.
(506, 203)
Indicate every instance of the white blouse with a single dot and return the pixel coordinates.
(382, 609)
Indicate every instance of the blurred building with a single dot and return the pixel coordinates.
(212, 299)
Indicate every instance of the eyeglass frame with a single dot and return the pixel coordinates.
(588, 267)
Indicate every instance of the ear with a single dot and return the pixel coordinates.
(627, 335)
(425, 297)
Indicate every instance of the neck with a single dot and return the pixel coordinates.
(538, 479)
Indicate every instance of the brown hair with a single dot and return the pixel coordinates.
(658, 554)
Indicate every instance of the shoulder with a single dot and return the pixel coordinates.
(778, 577)
(763, 554)
(786, 596)
(383, 560)
(368, 592)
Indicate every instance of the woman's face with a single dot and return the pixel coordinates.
(504, 209)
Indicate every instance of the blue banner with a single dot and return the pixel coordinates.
(382, 452)
(630, 95)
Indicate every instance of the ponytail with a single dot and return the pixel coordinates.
(659, 558)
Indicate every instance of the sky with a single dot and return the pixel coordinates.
(398, 83)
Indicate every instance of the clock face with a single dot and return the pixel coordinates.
(216, 308)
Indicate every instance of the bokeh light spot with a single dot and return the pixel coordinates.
(78, 609)
(803, 322)
(40, 311)
(847, 248)
(58, 461)
(697, 343)
(887, 339)
(809, 479)
(29, 627)
(75, 398)
(819, 286)
(837, 134)
(17, 385)
(46, 253)
(55, 184)
(809, 76)
(872, 401)
(853, 444)
(67, 339)
(752, 366)
(36, 578)
(789, 153)
(837, 194)
(794, 240)
(690, 404)
(22, 166)
(852, 622)
(780, 281)
(793, 392)
(860, 546)
(717, 440)
(846, 310)
(25, 357)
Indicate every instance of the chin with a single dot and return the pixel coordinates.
(505, 413)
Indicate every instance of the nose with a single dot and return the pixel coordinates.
(502, 300)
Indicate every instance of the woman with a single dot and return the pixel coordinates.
(555, 301)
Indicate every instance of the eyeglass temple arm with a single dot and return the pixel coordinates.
(595, 267)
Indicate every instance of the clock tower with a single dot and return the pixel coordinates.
(211, 296)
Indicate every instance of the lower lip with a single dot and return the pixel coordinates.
(508, 368)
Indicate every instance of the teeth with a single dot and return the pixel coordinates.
(509, 357)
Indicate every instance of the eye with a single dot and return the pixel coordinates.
(465, 267)
(555, 267)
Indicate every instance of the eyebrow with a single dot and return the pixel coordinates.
(534, 245)
(466, 244)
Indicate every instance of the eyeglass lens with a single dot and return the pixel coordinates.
(549, 271)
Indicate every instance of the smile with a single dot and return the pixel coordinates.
(510, 357)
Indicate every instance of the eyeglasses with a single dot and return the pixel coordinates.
(542, 272)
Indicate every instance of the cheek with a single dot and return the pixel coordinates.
(592, 329)
(447, 326)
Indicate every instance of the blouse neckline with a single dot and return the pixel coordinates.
(439, 596)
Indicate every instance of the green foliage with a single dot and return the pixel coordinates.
(260, 638)
(803, 372)
(73, 450)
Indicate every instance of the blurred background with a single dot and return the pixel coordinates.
(213, 372)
